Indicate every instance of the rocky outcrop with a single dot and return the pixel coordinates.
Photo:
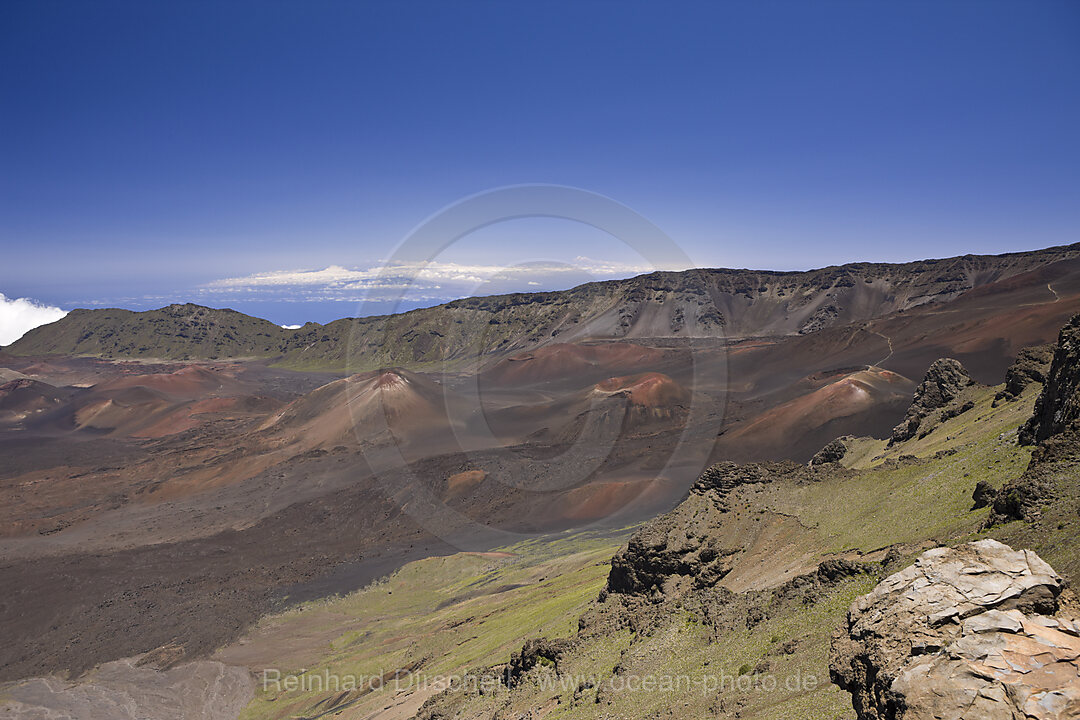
(956, 410)
(694, 540)
(941, 385)
(1031, 366)
(966, 633)
(832, 453)
(1053, 425)
(535, 652)
(983, 495)
(671, 546)
(723, 477)
(1058, 406)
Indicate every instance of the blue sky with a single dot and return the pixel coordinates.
(156, 152)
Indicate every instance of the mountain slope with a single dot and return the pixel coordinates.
(694, 303)
(738, 588)
(175, 332)
(744, 581)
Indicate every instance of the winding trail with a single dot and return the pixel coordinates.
(1057, 298)
(887, 339)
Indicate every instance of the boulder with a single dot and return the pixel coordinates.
(966, 633)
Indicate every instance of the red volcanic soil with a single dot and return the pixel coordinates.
(636, 496)
(193, 414)
(615, 406)
(196, 504)
(583, 364)
(985, 327)
(858, 402)
(154, 405)
(83, 371)
(651, 389)
(369, 407)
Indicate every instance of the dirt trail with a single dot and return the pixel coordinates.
(1057, 298)
(887, 339)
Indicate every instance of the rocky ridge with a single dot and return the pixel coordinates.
(1053, 427)
(697, 303)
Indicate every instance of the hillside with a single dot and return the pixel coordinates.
(698, 303)
(175, 332)
(747, 579)
(744, 583)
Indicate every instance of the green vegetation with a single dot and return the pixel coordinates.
(437, 616)
(775, 669)
(176, 332)
(470, 613)
(919, 490)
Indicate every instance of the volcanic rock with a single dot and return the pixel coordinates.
(1052, 425)
(1058, 406)
(687, 542)
(1031, 366)
(831, 453)
(534, 652)
(941, 385)
(983, 494)
(966, 633)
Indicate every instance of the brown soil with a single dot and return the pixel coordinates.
(172, 504)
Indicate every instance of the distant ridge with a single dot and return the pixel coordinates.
(698, 303)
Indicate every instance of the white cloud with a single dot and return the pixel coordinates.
(418, 280)
(19, 315)
(292, 327)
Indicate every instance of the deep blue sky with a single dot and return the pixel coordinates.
(150, 148)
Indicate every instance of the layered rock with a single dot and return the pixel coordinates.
(966, 633)
(944, 381)
(1058, 406)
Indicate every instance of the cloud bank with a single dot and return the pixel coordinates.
(438, 281)
(20, 315)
